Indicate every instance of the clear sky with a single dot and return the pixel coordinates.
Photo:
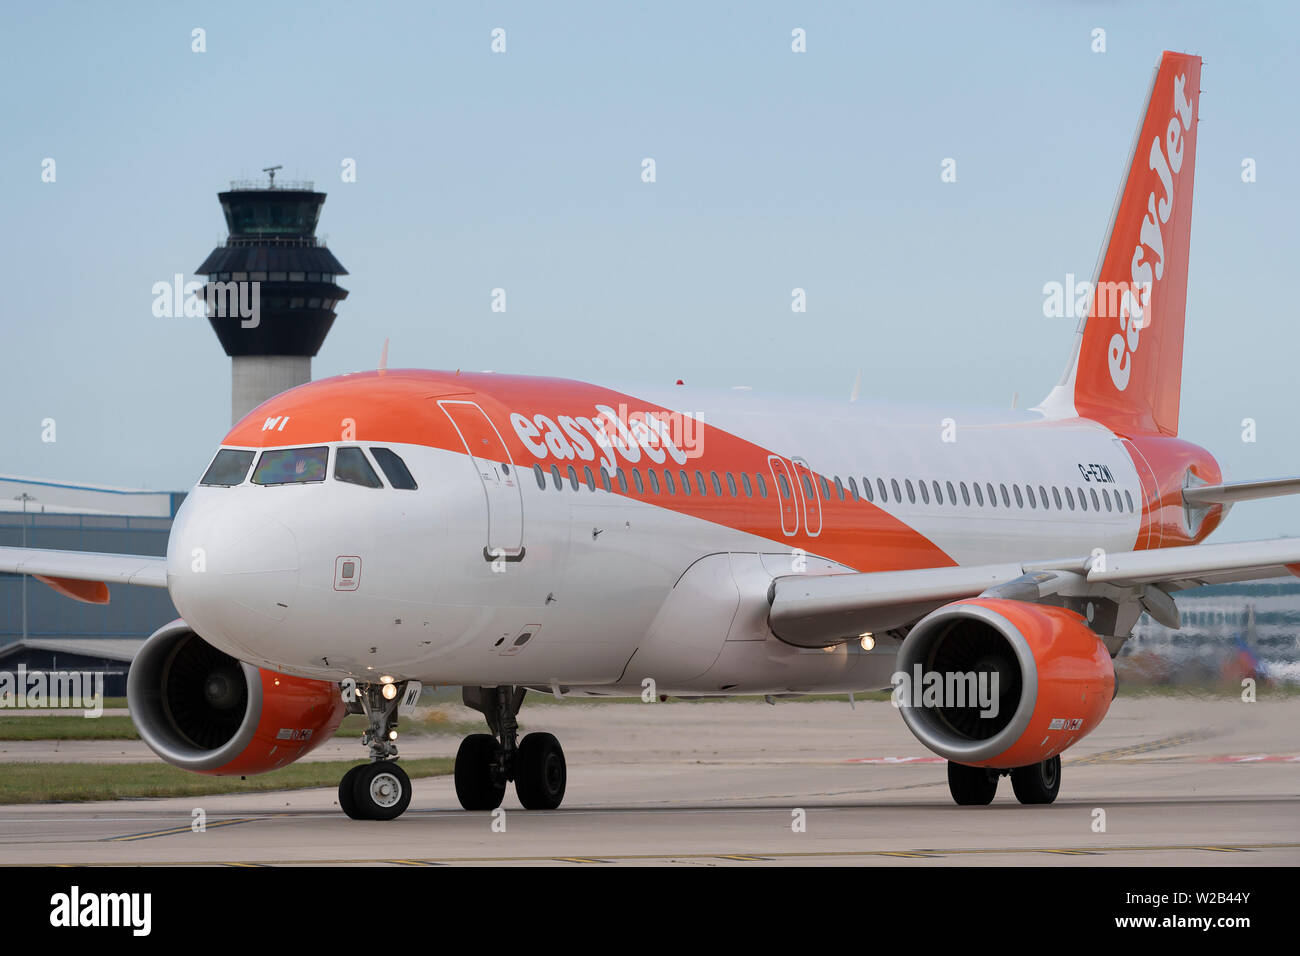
(522, 170)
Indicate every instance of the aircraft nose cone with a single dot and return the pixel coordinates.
(232, 571)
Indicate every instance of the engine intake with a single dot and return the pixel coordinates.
(200, 709)
(1001, 683)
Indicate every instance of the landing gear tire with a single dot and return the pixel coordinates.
(1039, 782)
(972, 786)
(478, 786)
(540, 772)
(347, 802)
(380, 790)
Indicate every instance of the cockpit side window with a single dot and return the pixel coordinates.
(394, 469)
(283, 466)
(350, 466)
(230, 467)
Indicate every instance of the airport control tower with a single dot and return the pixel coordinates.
(284, 280)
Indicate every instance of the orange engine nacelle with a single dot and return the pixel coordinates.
(201, 710)
(997, 683)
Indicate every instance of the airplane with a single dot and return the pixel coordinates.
(357, 538)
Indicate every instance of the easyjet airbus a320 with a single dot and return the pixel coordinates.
(356, 538)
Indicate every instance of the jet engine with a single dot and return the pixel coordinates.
(1002, 684)
(202, 710)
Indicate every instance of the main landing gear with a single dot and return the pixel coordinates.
(485, 763)
(379, 790)
(976, 786)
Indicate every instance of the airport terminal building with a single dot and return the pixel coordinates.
(38, 513)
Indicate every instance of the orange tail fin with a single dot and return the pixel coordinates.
(1128, 362)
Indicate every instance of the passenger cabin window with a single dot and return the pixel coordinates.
(636, 479)
(230, 467)
(762, 485)
(555, 477)
(541, 476)
(731, 485)
(351, 467)
(394, 469)
(654, 480)
(285, 466)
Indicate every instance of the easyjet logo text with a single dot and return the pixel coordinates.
(1165, 160)
(613, 434)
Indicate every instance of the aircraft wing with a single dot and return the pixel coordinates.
(813, 610)
(85, 575)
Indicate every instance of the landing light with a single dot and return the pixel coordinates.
(868, 640)
(392, 735)
(389, 691)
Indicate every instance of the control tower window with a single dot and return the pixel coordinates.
(230, 467)
(283, 466)
(394, 469)
(350, 466)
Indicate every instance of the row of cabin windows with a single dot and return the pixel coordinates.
(986, 495)
(983, 495)
(651, 480)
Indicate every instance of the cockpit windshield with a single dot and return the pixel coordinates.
(230, 467)
(394, 469)
(351, 467)
(282, 466)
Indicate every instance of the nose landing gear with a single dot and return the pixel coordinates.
(485, 763)
(379, 790)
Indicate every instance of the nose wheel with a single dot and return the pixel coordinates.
(486, 763)
(379, 790)
(375, 791)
